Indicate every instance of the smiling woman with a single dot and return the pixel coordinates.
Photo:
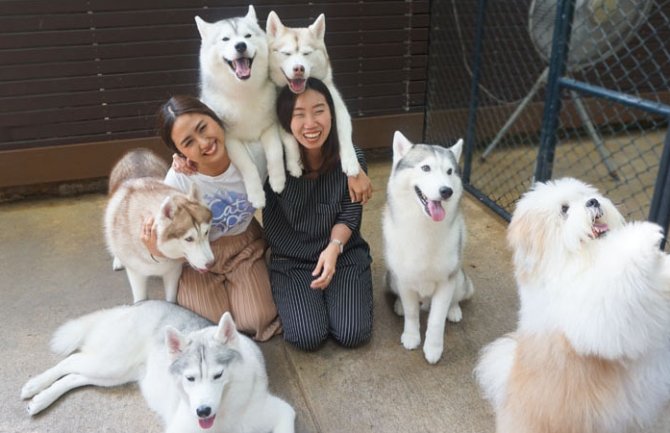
(238, 282)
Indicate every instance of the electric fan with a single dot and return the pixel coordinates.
(599, 29)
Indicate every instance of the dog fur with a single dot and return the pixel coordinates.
(195, 376)
(234, 82)
(423, 242)
(181, 222)
(297, 54)
(591, 351)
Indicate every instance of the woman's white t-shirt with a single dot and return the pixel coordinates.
(225, 196)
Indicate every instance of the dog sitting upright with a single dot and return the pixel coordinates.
(295, 55)
(424, 236)
(591, 353)
(181, 221)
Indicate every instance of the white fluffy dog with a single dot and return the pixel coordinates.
(592, 350)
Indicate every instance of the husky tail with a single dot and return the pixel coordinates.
(71, 335)
(135, 164)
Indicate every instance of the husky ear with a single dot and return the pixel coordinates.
(175, 341)
(274, 26)
(194, 193)
(227, 331)
(401, 145)
(457, 149)
(318, 27)
(251, 14)
(203, 27)
(167, 208)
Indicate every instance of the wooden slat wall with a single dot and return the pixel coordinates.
(81, 71)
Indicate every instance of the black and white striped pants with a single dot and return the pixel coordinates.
(343, 310)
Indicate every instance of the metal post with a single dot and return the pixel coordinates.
(659, 211)
(552, 102)
(470, 136)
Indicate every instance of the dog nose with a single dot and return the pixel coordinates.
(240, 47)
(593, 203)
(299, 69)
(446, 192)
(209, 265)
(203, 411)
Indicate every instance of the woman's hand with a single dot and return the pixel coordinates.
(150, 237)
(325, 267)
(183, 165)
(360, 187)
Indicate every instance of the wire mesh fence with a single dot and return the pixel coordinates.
(622, 46)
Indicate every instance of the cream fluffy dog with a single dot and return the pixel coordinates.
(592, 350)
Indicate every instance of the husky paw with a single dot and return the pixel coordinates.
(455, 314)
(350, 166)
(257, 200)
(278, 182)
(31, 388)
(294, 168)
(410, 340)
(432, 352)
(397, 307)
(117, 265)
(36, 405)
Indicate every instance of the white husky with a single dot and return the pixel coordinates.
(297, 54)
(195, 376)
(424, 235)
(234, 83)
(181, 222)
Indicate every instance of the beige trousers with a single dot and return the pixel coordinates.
(238, 283)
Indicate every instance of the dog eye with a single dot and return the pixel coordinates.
(565, 208)
(226, 39)
(286, 53)
(218, 376)
(306, 53)
(450, 171)
(248, 35)
(425, 167)
(189, 239)
(190, 378)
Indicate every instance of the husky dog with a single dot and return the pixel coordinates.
(591, 352)
(297, 54)
(234, 83)
(181, 222)
(194, 375)
(424, 235)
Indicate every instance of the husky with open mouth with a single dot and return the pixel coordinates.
(424, 235)
(234, 83)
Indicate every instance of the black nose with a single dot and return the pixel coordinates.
(446, 192)
(203, 411)
(593, 203)
(240, 47)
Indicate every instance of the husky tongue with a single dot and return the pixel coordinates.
(242, 68)
(435, 210)
(297, 85)
(206, 422)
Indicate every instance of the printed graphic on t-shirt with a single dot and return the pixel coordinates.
(229, 208)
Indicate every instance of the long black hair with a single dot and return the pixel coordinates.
(175, 107)
(331, 147)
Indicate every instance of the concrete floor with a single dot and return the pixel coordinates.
(54, 266)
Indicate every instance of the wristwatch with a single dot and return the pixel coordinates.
(338, 242)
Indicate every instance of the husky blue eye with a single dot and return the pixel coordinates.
(450, 171)
(189, 239)
(425, 167)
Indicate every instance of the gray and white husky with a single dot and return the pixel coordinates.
(297, 54)
(424, 235)
(181, 222)
(234, 83)
(194, 375)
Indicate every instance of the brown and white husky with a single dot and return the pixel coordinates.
(181, 221)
